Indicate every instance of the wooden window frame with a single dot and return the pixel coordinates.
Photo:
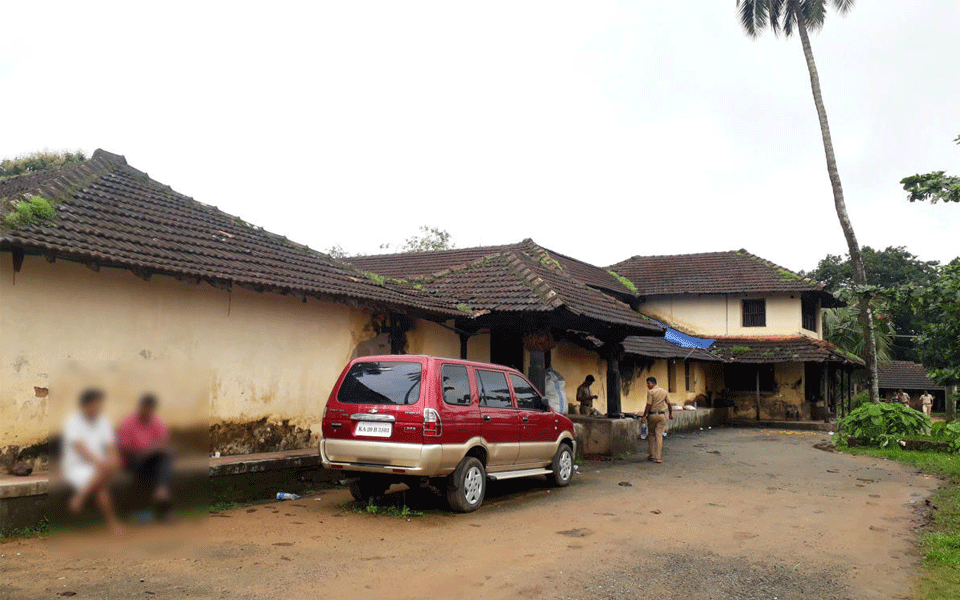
(756, 318)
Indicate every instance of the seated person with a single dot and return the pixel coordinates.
(89, 457)
(143, 440)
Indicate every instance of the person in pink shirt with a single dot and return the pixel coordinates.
(143, 441)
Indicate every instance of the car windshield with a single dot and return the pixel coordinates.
(381, 383)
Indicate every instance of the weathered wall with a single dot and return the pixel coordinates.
(575, 363)
(635, 398)
(246, 356)
(789, 390)
(721, 314)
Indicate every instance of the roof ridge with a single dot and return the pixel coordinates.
(538, 284)
(774, 265)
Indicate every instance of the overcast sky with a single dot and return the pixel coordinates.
(600, 129)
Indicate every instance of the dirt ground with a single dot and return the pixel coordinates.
(732, 513)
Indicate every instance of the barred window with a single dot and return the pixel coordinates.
(754, 313)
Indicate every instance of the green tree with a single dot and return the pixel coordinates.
(841, 327)
(939, 341)
(888, 269)
(429, 239)
(38, 161)
(935, 186)
(801, 16)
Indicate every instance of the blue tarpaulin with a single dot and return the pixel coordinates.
(685, 341)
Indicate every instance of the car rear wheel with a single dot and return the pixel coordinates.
(366, 489)
(562, 466)
(467, 485)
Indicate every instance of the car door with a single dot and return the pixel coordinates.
(539, 426)
(500, 420)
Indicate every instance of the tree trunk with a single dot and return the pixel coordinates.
(859, 272)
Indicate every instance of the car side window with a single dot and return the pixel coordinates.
(494, 392)
(456, 385)
(527, 396)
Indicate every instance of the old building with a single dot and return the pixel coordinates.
(133, 287)
(766, 323)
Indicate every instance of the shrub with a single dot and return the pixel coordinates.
(859, 400)
(947, 432)
(28, 212)
(881, 424)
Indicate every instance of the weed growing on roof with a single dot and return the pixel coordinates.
(29, 212)
(547, 260)
(380, 279)
(464, 308)
(623, 280)
(38, 161)
(739, 349)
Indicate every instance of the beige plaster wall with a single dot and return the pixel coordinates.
(721, 314)
(574, 364)
(635, 400)
(789, 389)
(240, 355)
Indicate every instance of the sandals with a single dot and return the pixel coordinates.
(657, 460)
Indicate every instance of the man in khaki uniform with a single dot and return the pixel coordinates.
(926, 401)
(585, 397)
(658, 407)
(904, 398)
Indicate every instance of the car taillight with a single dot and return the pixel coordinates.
(431, 422)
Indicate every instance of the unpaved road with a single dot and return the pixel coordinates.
(745, 514)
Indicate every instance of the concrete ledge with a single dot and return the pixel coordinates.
(19, 487)
(685, 420)
(268, 461)
(600, 436)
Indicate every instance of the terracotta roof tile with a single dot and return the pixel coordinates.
(780, 349)
(653, 347)
(905, 375)
(112, 214)
(715, 273)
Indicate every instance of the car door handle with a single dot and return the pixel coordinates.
(526, 419)
(486, 417)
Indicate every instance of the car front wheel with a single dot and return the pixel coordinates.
(562, 466)
(467, 485)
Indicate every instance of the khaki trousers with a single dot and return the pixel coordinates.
(655, 427)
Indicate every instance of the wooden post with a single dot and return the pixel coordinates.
(537, 372)
(758, 392)
(464, 338)
(614, 408)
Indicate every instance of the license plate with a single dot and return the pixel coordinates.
(369, 429)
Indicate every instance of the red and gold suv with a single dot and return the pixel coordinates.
(451, 423)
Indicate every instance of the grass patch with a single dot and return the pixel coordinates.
(41, 528)
(29, 212)
(623, 281)
(940, 546)
(372, 508)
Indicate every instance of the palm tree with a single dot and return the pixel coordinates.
(841, 327)
(801, 16)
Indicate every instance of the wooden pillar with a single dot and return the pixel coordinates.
(537, 372)
(758, 392)
(464, 338)
(614, 407)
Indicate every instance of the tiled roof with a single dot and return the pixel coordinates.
(526, 278)
(653, 347)
(114, 215)
(715, 273)
(418, 265)
(904, 375)
(780, 349)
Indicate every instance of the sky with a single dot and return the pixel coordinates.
(602, 130)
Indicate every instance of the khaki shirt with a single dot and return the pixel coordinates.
(926, 399)
(657, 399)
(584, 396)
(905, 398)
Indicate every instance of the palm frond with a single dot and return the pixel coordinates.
(753, 16)
(813, 13)
(843, 6)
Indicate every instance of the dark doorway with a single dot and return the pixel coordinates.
(506, 348)
(812, 382)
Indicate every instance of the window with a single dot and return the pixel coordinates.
(754, 313)
(743, 378)
(494, 392)
(381, 383)
(686, 373)
(808, 312)
(456, 385)
(671, 376)
(527, 396)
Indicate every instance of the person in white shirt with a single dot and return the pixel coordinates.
(90, 457)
